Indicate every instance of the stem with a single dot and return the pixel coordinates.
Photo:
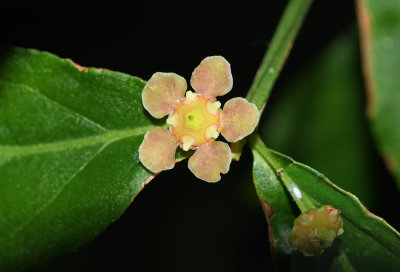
(278, 51)
(274, 59)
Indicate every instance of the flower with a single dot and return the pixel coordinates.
(195, 119)
(315, 230)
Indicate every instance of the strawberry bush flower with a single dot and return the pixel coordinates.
(195, 119)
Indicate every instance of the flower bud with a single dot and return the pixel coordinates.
(315, 230)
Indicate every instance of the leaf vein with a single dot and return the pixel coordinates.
(9, 151)
(53, 198)
(90, 121)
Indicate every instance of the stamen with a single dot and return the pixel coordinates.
(193, 118)
(171, 120)
(187, 142)
(213, 107)
(211, 132)
(190, 96)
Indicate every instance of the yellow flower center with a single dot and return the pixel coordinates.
(195, 121)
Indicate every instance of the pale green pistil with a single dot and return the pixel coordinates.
(194, 119)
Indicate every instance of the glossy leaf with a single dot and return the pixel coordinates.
(368, 242)
(319, 118)
(379, 23)
(276, 204)
(69, 140)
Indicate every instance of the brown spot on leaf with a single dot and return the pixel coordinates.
(364, 22)
(148, 180)
(85, 69)
(267, 208)
(390, 162)
(79, 67)
(263, 107)
(368, 212)
(144, 184)
(377, 217)
(269, 212)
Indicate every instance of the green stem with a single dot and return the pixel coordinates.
(275, 57)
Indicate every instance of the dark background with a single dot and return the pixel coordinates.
(178, 223)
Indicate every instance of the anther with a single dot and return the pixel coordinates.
(187, 142)
(211, 132)
(171, 120)
(190, 96)
(212, 107)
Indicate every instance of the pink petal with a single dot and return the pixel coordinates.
(162, 93)
(239, 118)
(210, 160)
(157, 151)
(212, 77)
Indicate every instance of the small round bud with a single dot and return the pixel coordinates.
(315, 230)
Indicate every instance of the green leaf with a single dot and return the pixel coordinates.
(276, 204)
(379, 23)
(368, 242)
(319, 118)
(69, 139)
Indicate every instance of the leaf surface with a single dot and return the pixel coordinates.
(69, 139)
(320, 120)
(276, 204)
(379, 23)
